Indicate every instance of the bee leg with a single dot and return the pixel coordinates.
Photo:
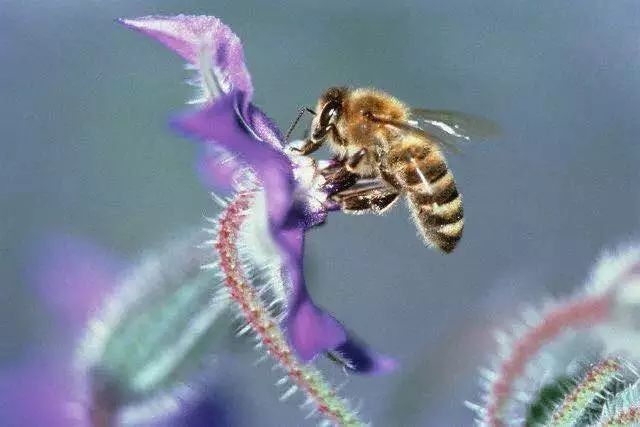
(378, 200)
(308, 147)
(342, 175)
(339, 181)
(330, 167)
(354, 160)
(389, 178)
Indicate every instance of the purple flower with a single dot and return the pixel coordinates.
(217, 168)
(294, 200)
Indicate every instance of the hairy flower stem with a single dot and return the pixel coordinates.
(583, 312)
(627, 417)
(265, 326)
(576, 403)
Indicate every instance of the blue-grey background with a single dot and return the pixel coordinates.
(85, 150)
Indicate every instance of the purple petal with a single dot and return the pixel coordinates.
(362, 360)
(310, 330)
(191, 37)
(73, 275)
(221, 122)
(217, 168)
(264, 127)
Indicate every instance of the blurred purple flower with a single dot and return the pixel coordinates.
(294, 201)
(72, 275)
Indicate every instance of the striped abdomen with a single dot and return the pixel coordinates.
(436, 205)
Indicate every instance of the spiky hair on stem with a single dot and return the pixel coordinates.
(541, 349)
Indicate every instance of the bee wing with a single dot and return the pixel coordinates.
(413, 128)
(454, 126)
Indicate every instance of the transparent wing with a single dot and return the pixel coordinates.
(454, 126)
(413, 128)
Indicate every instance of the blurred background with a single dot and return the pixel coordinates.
(86, 153)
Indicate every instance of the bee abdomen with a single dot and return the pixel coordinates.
(435, 203)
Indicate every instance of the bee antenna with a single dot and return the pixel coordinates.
(301, 111)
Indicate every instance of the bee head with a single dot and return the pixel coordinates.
(328, 112)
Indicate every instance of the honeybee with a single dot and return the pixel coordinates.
(384, 149)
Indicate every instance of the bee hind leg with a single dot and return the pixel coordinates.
(341, 174)
(339, 180)
(354, 160)
(377, 200)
